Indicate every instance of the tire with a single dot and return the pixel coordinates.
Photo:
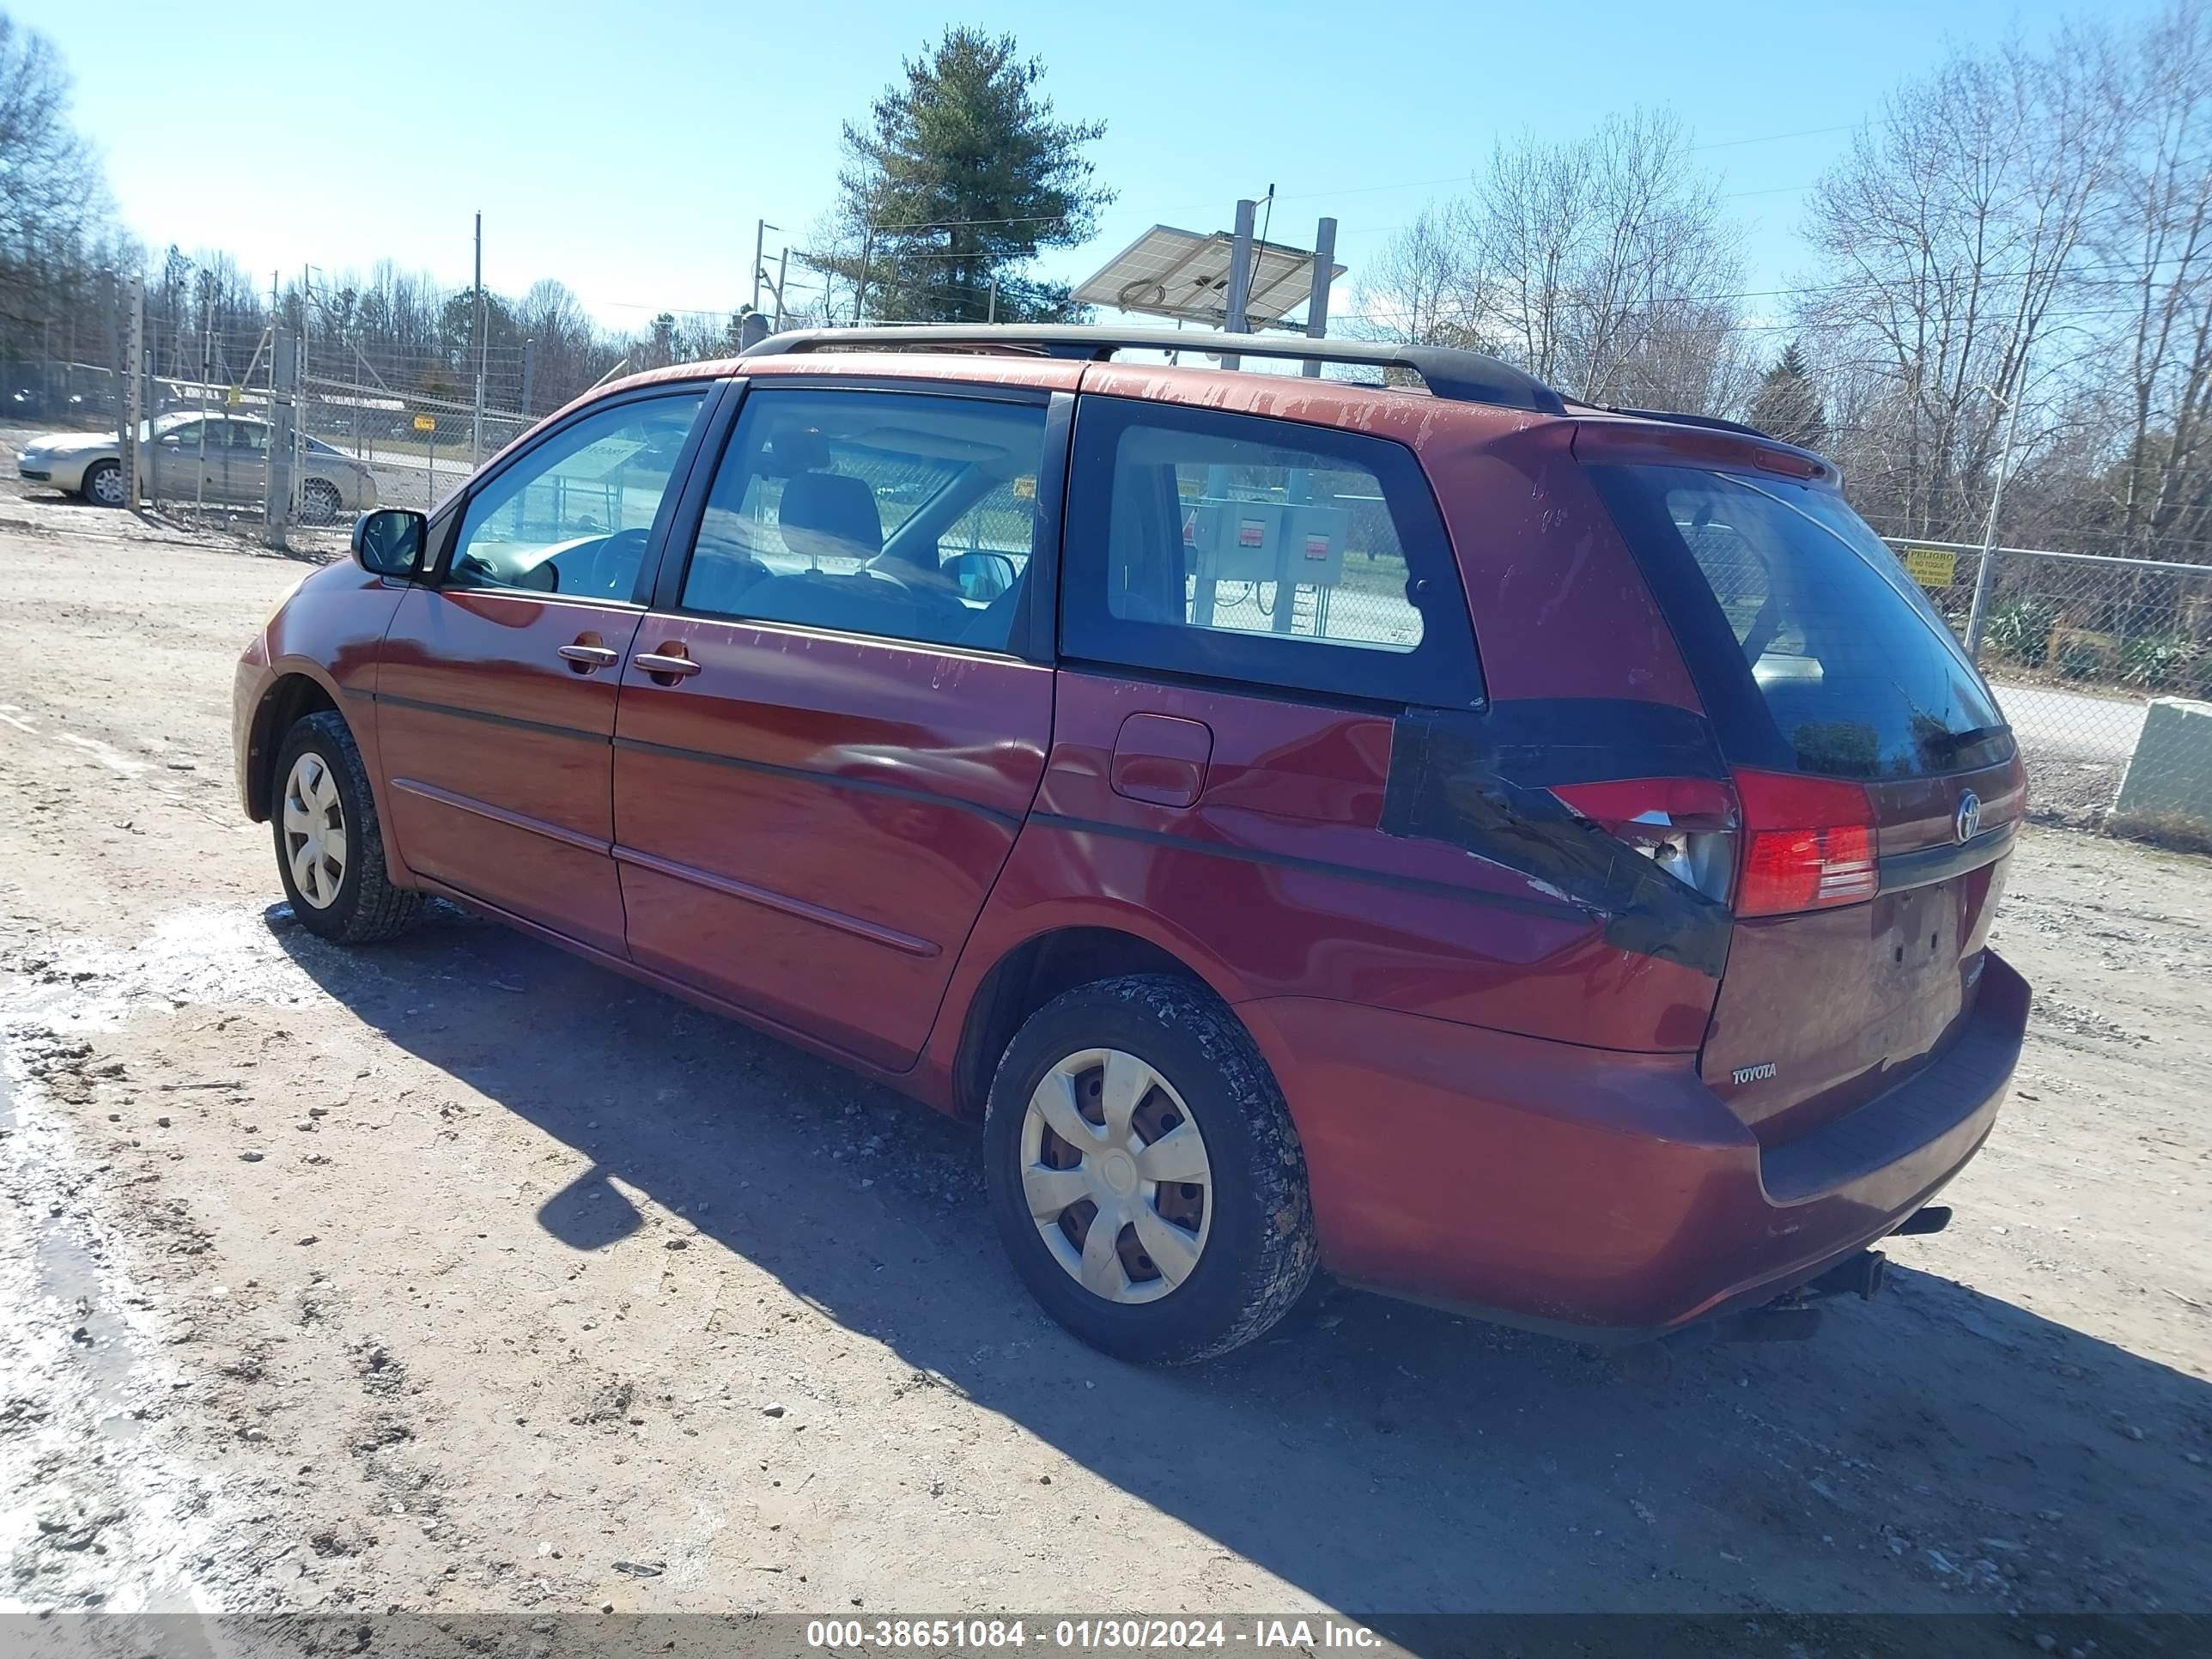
(102, 484)
(320, 502)
(1250, 1229)
(351, 898)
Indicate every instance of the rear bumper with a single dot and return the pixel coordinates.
(1603, 1196)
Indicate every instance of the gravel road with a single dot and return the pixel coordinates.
(462, 1276)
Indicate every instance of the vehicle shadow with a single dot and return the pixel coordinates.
(1943, 1451)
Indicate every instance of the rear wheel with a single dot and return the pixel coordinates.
(319, 501)
(330, 846)
(103, 484)
(1144, 1172)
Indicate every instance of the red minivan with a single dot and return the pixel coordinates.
(1525, 856)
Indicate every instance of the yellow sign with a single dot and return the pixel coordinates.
(231, 397)
(425, 423)
(1025, 490)
(1931, 567)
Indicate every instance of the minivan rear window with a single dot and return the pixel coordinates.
(1812, 648)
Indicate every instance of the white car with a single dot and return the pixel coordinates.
(194, 457)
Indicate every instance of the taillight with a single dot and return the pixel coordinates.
(1685, 825)
(1809, 843)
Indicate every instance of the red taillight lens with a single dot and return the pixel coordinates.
(1809, 843)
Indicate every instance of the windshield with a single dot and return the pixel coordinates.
(1813, 649)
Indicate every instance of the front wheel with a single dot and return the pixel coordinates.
(103, 484)
(1144, 1172)
(330, 846)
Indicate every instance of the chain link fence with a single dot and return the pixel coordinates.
(2086, 652)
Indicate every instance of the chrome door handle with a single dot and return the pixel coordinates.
(652, 662)
(591, 656)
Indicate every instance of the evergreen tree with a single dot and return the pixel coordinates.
(1789, 403)
(959, 176)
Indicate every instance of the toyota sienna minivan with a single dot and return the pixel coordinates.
(1529, 857)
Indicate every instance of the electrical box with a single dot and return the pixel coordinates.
(1296, 544)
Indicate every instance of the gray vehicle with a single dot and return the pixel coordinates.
(188, 456)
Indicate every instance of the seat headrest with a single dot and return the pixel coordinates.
(830, 515)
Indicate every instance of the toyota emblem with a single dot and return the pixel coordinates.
(1969, 822)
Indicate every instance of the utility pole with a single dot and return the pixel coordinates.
(1985, 574)
(1240, 276)
(783, 275)
(1324, 273)
(990, 306)
(860, 287)
(484, 354)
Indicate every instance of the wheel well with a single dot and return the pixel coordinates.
(288, 701)
(1031, 975)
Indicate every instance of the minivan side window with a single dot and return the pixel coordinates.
(1241, 547)
(573, 514)
(903, 515)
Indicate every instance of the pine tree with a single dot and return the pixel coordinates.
(959, 176)
(1789, 403)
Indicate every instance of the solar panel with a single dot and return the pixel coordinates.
(1184, 275)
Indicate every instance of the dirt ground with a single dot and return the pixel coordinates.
(459, 1275)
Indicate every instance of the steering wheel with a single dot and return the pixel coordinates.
(614, 564)
(876, 570)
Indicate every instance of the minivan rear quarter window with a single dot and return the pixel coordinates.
(1813, 650)
(1248, 549)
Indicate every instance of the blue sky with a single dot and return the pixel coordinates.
(628, 148)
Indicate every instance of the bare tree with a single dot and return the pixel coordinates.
(53, 199)
(2152, 263)
(1603, 266)
(1425, 285)
(1951, 237)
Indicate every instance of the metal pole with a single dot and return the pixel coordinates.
(991, 313)
(133, 388)
(283, 376)
(529, 365)
(860, 287)
(151, 399)
(760, 252)
(783, 275)
(1324, 273)
(484, 354)
(1986, 572)
(1240, 276)
(207, 357)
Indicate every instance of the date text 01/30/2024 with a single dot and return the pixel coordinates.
(1085, 1635)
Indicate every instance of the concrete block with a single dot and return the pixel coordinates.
(2167, 790)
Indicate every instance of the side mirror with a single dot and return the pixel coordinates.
(389, 542)
(981, 576)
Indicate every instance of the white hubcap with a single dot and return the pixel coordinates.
(1116, 1175)
(107, 487)
(314, 831)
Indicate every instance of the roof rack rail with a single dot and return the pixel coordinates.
(1461, 376)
